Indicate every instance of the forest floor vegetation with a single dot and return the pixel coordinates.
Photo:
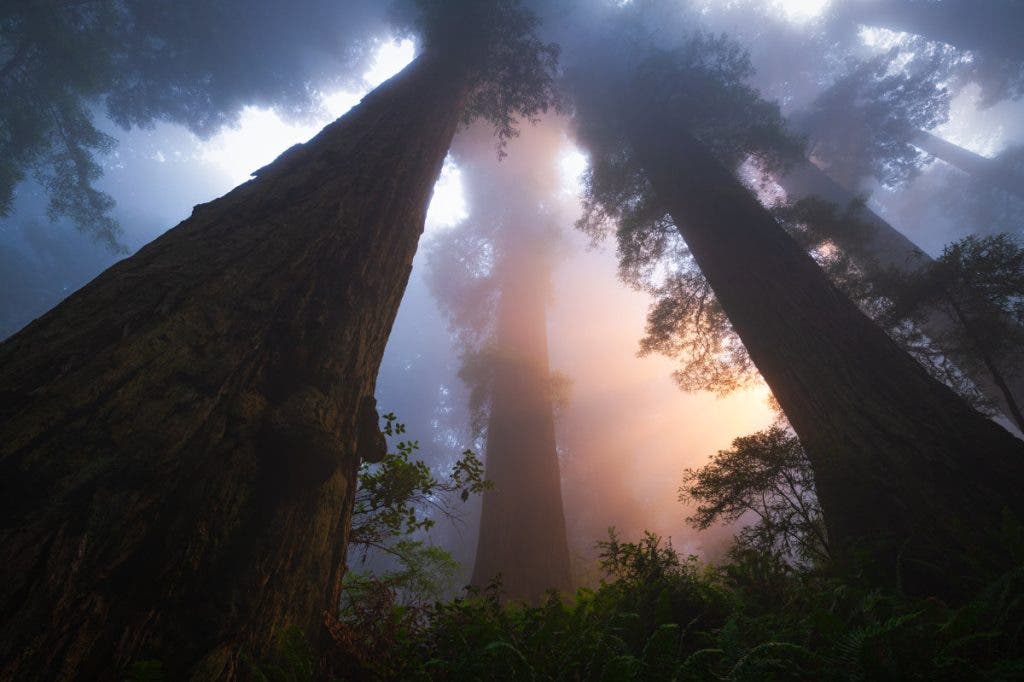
(660, 616)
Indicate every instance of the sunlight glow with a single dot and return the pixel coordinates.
(799, 11)
(572, 164)
(258, 139)
(795, 11)
(978, 128)
(448, 206)
(391, 58)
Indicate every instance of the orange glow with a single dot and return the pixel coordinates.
(628, 431)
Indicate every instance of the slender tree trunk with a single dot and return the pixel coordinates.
(877, 244)
(522, 525)
(990, 26)
(981, 348)
(881, 244)
(981, 167)
(908, 475)
(179, 438)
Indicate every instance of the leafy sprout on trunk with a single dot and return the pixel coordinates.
(395, 494)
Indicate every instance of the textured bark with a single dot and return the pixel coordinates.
(907, 474)
(991, 26)
(983, 168)
(179, 438)
(522, 524)
(876, 243)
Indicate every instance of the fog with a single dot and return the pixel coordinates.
(626, 431)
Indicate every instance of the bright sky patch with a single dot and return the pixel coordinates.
(572, 164)
(799, 11)
(261, 135)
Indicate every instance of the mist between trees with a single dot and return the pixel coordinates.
(740, 281)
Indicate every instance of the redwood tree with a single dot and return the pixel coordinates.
(522, 535)
(981, 167)
(869, 124)
(908, 475)
(491, 275)
(878, 246)
(992, 27)
(180, 437)
(989, 30)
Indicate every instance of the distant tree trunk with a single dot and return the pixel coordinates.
(522, 524)
(981, 347)
(983, 168)
(908, 475)
(882, 245)
(992, 26)
(179, 439)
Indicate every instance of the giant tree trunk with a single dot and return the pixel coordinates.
(522, 525)
(989, 26)
(983, 168)
(908, 475)
(179, 439)
(877, 244)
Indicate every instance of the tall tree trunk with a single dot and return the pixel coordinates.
(992, 26)
(908, 475)
(985, 169)
(179, 439)
(879, 244)
(522, 525)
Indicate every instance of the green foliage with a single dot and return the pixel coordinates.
(59, 61)
(393, 494)
(766, 475)
(146, 671)
(977, 283)
(379, 611)
(641, 561)
(617, 632)
(69, 172)
(665, 618)
(699, 85)
(866, 122)
(199, 63)
(425, 572)
(687, 323)
(293, 660)
(512, 72)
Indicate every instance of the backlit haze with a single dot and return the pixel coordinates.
(627, 432)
